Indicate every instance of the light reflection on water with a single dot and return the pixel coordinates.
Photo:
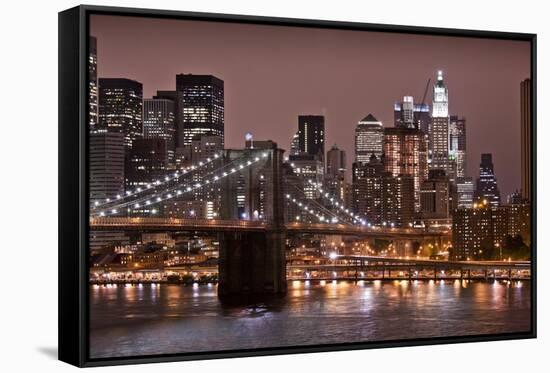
(155, 319)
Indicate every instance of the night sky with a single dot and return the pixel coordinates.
(273, 74)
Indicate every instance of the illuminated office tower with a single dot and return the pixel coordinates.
(457, 145)
(310, 171)
(439, 126)
(367, 190)
(487, 188)
(311, 135)
(200, 102)
(92, 83)
(465, 192)
(121, 108)
(525, 97)
(369, 139)
(406, 154)
(159, 122)
(405, 110)
(410, 115)
(295, 145)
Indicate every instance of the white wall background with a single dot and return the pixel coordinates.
(28, 183)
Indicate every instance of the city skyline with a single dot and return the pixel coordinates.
(382, 185)
(360, 85)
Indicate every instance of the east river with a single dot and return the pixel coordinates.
(154, 319)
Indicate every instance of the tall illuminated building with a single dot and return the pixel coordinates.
(159, 122)
(465, 192)
(92, 84)
(121, 108)
(525, 100)
(295, 145)
(457, 145)
(439, 126)
(410, 115)
(486, 186)
(310, 171)
(369, 139)
(406, 154)
(311, 135)
(200, 102)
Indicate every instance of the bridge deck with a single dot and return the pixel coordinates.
(213, 225)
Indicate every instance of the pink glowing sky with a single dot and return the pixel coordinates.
(272, 74)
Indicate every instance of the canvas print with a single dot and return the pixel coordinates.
(254, 186)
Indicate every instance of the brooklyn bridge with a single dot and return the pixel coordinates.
(252, 238)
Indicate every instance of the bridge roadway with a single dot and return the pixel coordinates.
(213, 225)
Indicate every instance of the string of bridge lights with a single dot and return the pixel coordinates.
(311, 211)
(169, 177)
(331, 213)
(335, 202)
(177, 191)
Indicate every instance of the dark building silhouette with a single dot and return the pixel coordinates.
(311, 135)
(147, 162)
(121, 108)
(486, 186)
(434, 196)
(200, 106)
(336, 162)
(525, 90)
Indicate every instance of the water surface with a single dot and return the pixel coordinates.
(160, 319)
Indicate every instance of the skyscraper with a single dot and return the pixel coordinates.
(367, 190)
(336, 162)
(121, 108)
(310, 170)
(159, 122)
(465, 192)
(295, 145)
(201, 105)
(92, 84)
(369, 139)
(410, 115)
(439, 126)
(406, 154)
(148, 161)
(525, 90)
(406, 111)
(381, 198)
(487, 188)
(434, 196)
(311, 135)
(106, 165)
(457, 144)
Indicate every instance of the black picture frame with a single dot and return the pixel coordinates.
(73, 182)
